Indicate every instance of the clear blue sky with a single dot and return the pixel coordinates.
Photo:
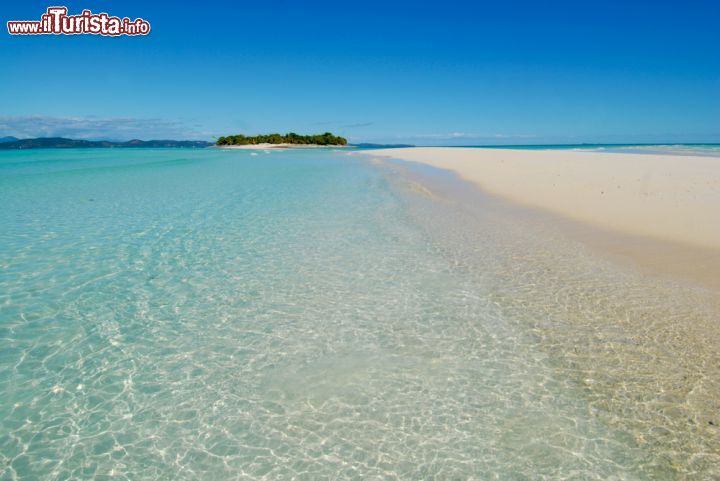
(501, 72)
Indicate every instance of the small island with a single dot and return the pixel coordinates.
(290, 140)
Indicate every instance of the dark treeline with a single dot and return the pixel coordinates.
(292, 138)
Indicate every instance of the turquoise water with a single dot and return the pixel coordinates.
(711, 150)
(209, 314)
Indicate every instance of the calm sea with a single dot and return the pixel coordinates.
(712, 150)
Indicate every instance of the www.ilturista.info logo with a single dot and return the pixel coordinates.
(57, 22)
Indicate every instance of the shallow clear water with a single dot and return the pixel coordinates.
(710, 150)
(207, 314)
(705, 150)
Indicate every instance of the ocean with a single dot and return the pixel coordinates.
(710, 150)
(224, 314)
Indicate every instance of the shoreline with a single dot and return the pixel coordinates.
(668, 232)
(622, 334)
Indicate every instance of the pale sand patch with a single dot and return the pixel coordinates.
(674, 198)
(662, 213)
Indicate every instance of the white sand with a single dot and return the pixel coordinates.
(669, 197)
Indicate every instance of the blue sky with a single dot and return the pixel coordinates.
(448, 73)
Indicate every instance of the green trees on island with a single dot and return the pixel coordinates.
(292, 138)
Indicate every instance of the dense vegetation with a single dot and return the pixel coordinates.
(292, 138)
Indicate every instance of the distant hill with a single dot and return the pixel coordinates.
(8, 139)
(62, 143)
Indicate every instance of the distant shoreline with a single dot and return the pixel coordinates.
(64, 143)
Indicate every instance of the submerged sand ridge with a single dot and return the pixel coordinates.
(669, 197)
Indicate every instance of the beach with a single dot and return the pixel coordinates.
(304, 313)
(360, 241)
(674, 198)
(660, 211)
